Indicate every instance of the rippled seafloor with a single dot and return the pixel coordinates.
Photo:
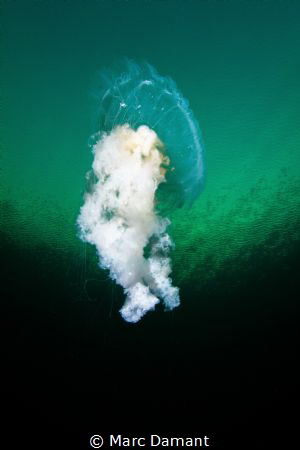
(237, 248)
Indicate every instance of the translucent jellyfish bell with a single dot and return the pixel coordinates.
(147, 161)
(136, 94)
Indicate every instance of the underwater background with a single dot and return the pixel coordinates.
(229, 350)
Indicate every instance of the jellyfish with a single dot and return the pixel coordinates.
(148, 161)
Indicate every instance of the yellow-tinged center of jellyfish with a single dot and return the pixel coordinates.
(144, 145)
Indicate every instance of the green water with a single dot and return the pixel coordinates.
(238, 64)
(230, 348)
